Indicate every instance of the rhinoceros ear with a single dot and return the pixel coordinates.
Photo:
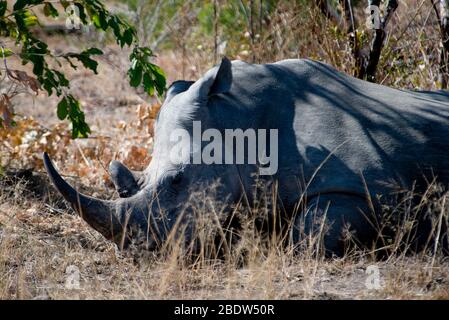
(215, 81)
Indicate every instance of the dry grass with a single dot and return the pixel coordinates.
(41, 244)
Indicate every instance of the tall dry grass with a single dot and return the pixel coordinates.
(42, 246)
(298, 29)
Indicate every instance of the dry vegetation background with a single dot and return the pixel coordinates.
(41, 240)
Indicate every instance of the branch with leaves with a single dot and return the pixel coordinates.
(17, 23)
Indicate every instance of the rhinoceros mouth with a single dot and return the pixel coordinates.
(99, 214)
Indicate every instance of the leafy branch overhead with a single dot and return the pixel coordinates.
(17, 23)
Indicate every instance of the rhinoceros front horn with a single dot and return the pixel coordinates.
(99, 214)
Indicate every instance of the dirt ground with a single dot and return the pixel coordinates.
(47, 252)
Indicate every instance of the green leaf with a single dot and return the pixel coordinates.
(50, 10)
(135, 75)
(20, 22)
(63, 82)
(115, 26)
(89, 63)
(5, 52)
(96, 20)
(30, 21)
(3, 6)
(76, 116)
(75, 131)
(20, 4)
(25, 19)
(142, 72)
(148, 84)
(160, 78)
(38, 67)
(64, 3)
(70, 62)
(147, 51)
(62, 109)
(103, 21)
(93, 51)
(49, 82)
(84, 58)
(128, 36)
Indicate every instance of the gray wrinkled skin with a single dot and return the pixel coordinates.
(366, 139)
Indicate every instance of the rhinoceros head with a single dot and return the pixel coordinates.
(153, 201)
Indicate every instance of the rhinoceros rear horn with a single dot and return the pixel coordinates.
(99, 214)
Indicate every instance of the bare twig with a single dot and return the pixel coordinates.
(378, 40)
